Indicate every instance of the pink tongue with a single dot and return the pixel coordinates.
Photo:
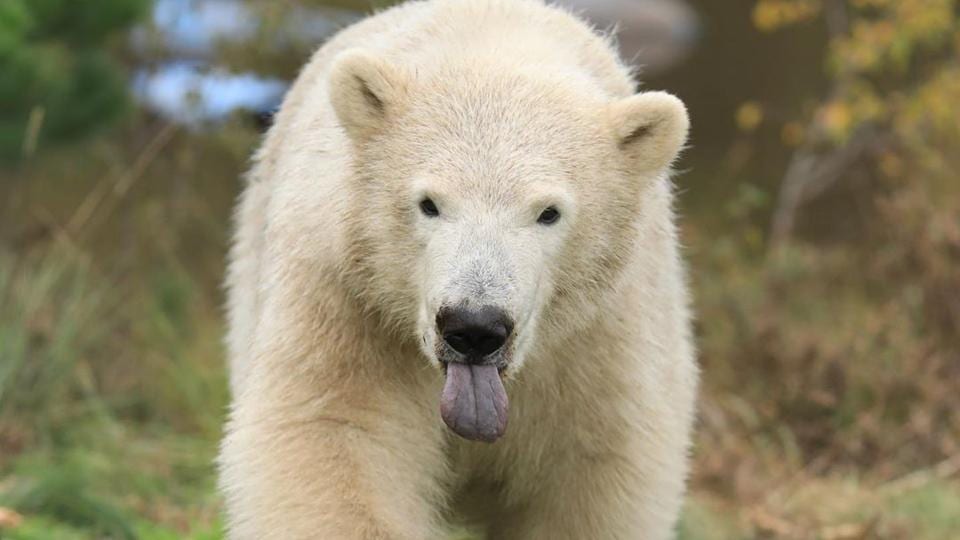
(474, 403)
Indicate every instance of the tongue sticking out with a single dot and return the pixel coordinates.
(474, 403)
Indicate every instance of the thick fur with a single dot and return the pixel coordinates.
(485, 105)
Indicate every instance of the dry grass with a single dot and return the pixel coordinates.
(831, 371)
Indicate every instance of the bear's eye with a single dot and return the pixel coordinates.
(429, 208)
(549, 216)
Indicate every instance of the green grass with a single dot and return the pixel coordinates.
(111, 398)
(931, 511)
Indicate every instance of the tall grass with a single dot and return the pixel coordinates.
(111, 396)
(54, 318)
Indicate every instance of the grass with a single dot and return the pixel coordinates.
(110, 404)
(832, 508)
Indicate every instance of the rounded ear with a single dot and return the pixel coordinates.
(651, 129)
(364, 91)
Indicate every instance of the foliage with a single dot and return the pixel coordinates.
(57, 80)
(895, 63)
(830, 348)
(112, 388)
(107, 393)
(850, 350)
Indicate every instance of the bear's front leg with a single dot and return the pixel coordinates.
(331, 466)
(612, 497)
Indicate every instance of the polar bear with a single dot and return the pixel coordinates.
(455, 290)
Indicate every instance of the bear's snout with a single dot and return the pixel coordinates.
(475, 333)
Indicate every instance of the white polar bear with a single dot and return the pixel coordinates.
(460, 230)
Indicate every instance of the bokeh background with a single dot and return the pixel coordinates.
(821, 217)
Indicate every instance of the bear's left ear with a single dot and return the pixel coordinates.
(365, 92)
(650, 129)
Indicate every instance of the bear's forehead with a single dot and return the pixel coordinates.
(488, 155)
(503, 128)
(491, 106)
(497, 174)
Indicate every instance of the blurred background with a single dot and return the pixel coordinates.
(820, 200)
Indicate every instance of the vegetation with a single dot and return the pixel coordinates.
(57, 80)
(112, 388)
(821, 215)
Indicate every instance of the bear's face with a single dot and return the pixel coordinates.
(490, 208)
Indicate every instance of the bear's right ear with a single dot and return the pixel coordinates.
(364, 91)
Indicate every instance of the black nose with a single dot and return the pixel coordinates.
(474, 332)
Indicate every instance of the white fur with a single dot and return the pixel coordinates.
(495, 109)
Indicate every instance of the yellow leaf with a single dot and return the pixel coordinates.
(836, 118)
(749, 116)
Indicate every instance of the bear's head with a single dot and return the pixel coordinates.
(491, 209)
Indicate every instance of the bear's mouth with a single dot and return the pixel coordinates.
(474, 402)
